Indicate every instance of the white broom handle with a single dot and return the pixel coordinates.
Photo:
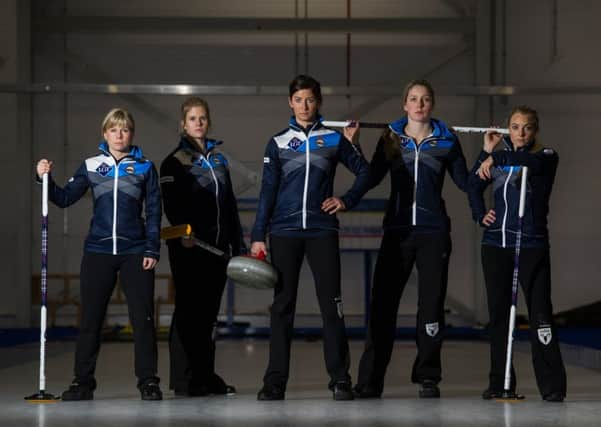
(523, 188)
(43, 314)
(462, 129)
(507, 383)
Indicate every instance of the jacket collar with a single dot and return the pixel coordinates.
(439, 128)
(186, 144)
(293, 124)
(135, 152)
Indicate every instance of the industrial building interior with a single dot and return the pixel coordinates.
(65, 63)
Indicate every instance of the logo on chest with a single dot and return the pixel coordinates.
(295, 143)
(103, 169)
(130, 169)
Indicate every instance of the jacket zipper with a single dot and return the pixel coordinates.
(115, 195)
(206, 159)
(307, 164)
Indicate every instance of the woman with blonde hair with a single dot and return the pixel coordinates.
(124, 239)
(197, 190)
(417, 151)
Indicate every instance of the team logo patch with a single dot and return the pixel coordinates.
(216, 160)
(130, 169)
(320, 143)
(265, 159)
(295, 143)
(339, 307)
(545, 335)
(432, 329)
(434, 143)
(103, 169)
(548, 151)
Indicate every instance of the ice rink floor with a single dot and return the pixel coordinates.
(241, 363)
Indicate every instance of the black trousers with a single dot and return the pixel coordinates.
(399, 251)
(287, 254)
(199, 277)
(535, 279)
(97, 281)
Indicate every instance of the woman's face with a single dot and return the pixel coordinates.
(118, 138)
(196, 124)
(305, 105)
(419, 104)
(522, 130)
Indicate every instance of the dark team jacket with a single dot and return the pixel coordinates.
(197, 190)
(120, 189)
(417, 175)
(298, 175)
(506, 181)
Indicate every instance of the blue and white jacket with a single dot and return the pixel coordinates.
(120, 189)
(197, 190)
(506, 184)
(417, 175)
(298, 175)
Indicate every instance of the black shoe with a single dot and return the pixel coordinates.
(367, 392)
(219, 386)
(490, 394)
(429, 390)
(197, 390)
(556, 396)
(79, 391)
(151, 391)
(343, 391)
(271, 392)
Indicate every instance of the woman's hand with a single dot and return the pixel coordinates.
(257, 247)
(489, 218)
(491, 139)
(331, 205)
(484, 169)
(351, 132)
(43, 166)
(148, 263)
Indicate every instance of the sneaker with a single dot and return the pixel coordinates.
(429, 390)
(367, 392)
(79, 391)
(271, 392)
(151, 391)
(555, 396)
(343, 391)
(490, 394)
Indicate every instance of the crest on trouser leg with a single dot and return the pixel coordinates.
(432, 329)
(545, 335)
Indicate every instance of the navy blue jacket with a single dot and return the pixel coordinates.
(417, 175)
(298, 175)
(197, 190)
(506, 181)
(120, 189)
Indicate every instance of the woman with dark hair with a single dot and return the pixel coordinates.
(417, 150)
(503, 170)
(124, 185)
(297, 208)
(197, 190)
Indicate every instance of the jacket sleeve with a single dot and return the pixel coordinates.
(269, 190)
(236, 235)
(174, 191)
(379, 165)
(542, 162)
(351, 156)
(475, 190)
(74, 190)
(153, 215)
(457, 167)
